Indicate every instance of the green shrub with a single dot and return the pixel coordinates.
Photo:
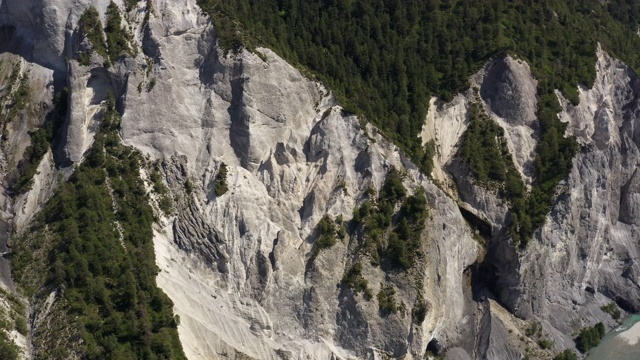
(426, 157)
(155, 175)
(8, 350)
(20, 96)
(151, 84)
(404, 242)
(393, 190)
(612, 309)
(21, 325)
(188, 186)
(567, 354)
(484, 150)
(590, 337)
(109, 42)
(92, 28)
(398, 253)
(545, 344)
(40, 143)
(342, 227)
(117, 37)
(362, 212)
(220, 187)
(533, 329)
(386, 301)
(354, 280)
(326, 232)
(15, 301)
(130, 4)
(166, 204)
(379, 221)
(419, 311)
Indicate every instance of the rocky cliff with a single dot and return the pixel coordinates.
(243, 266)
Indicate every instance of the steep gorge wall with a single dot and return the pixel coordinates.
(292, 158)
(238, 266)
(589, 246)
(585, 254)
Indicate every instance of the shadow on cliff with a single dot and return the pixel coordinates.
(104, 84)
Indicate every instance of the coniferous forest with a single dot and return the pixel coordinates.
(118, 311)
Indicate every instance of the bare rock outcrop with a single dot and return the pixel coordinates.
(237, 265)
(589, 242)
(241, 265)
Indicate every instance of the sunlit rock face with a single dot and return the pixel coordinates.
(239, 266)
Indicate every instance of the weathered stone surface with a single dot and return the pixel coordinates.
(590, 240)
(237, 265)
(292, 157)
(585, 255)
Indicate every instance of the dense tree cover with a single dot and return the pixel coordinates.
(384, 59)
(40, 143)
(590, 337)
(484, 149)
(91, 27)
(8, 350)
(625, 11)
(117, 37)
(97, 234)
(387, 229)
(130, 4)
(390, 235)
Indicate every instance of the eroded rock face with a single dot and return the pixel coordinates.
(238, 265)
(17, 209)
(506, 90)
(585, 255)
(630, 201)
(40, 31)
(509, 92)
(590, 239)
(266, 221)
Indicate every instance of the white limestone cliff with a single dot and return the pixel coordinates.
(292, 158)
(237, 266)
